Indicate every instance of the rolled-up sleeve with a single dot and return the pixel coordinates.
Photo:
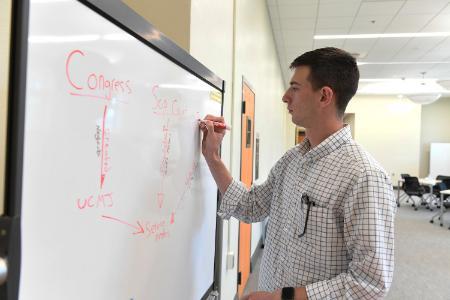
(248, 205)
(369, 237)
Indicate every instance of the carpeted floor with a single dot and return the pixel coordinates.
(422, 257)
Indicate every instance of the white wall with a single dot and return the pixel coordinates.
(435, 129)
(255, 58)
(389, 128)
(212, 44)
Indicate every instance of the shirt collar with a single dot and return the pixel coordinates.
(327, 146)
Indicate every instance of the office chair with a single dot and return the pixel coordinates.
(412, 188)
(402, 188)
(446, 181)
(446, 203)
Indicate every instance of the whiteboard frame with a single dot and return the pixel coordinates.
(116, 12)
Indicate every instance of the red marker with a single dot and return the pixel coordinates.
(218, 125)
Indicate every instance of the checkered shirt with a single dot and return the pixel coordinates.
(347, 250)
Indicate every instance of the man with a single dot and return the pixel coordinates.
(331, 206)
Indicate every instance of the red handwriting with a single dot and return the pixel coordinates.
(139, 229)
(157, 230)
(160, 199)
(165, 149)
(190, 175)
(98, 140)
(187, 182)
(101, 201)
(93, 84)
(166, 107)
(163, 167)
(105, 165)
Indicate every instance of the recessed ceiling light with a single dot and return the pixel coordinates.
(381, 35)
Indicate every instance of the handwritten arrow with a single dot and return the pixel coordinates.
(102, 173)
(139, 229)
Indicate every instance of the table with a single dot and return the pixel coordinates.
(442, 211)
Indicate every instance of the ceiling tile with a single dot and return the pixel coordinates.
(439, 53)
(327, 31)
(295, 2)
(333, 22)
(297, 11)
(360, 46)
(369, 71)
(298, 23)
(385, 49)
(298, 43)
(439, 23)
(380, 8)
(295, 20)
(417, 47)
(446, 10)
(370, 24)
(328, 43)
(423, 7)
(406, 23)
(302, 35)
(439, 71)
(339, 9)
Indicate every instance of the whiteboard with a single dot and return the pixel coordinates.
(439, 159)
(117, 201)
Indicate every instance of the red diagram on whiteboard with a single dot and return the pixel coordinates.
(93, 84)
(83, 81)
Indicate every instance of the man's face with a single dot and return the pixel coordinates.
(302, 101)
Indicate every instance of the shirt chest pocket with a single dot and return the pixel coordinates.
(312, 217)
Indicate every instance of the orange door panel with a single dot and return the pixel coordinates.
(248, 117)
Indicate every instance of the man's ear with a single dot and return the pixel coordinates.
(327, 95)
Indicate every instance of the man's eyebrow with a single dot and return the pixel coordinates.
(294, 83)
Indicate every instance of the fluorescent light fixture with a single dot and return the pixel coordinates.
(381, 35)
(424, 98)
(361, 63)
(405, 87)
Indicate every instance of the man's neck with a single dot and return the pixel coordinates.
(318, 134)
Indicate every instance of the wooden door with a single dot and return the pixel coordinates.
(245, 230)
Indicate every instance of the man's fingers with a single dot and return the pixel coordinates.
(203, 128)
(209, 125)
(214, 118)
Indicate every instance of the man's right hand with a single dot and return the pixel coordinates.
(212, 137)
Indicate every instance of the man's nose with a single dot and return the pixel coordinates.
(285, 98)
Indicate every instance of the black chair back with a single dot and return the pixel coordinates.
(404, 175)
(412, 186)
(438, 187)
(446, 182)
(442, 186)
(442, 177)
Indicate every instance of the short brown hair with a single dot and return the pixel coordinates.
(331, 67)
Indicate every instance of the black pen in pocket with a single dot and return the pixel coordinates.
(305, 199)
